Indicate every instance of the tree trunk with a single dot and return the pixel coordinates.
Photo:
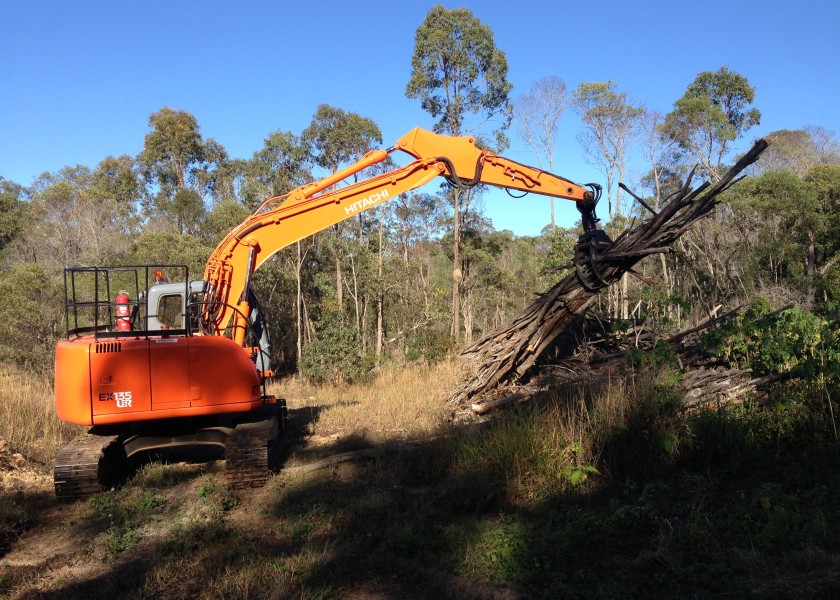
(811, 264)
(355, 294)
(469, 317)
(298, 303)
(380, 292)
(339, 284)
(455, 331)
(553, 226)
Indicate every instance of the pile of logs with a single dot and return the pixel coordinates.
(706, 378)
(509, 354)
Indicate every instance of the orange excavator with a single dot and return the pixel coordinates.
(148, 363)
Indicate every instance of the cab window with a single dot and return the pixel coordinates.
(169, 311)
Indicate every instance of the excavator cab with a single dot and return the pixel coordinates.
(128, 301)
(174, 306)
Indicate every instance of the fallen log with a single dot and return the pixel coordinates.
(726, 385)
(520, 395)
(508, 354)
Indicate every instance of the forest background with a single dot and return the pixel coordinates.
(410, 281)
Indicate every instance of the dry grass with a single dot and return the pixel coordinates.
(397, 404)
(27, 416)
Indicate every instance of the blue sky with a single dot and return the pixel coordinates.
(80, 79)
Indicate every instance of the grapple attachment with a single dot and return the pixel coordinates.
(591, 243)
(587, 265)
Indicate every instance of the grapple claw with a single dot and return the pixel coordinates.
(587, 251)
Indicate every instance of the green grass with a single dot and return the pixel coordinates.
(121, 515)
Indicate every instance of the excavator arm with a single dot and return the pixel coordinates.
(284, 220)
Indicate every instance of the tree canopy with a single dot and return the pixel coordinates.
(457, 72)
(713, 112)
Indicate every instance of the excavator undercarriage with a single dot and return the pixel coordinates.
(99, 458)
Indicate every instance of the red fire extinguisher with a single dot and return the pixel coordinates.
(123, 311)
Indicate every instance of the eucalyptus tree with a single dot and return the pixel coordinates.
(665, 174)
(179, 164)
(537, 115)
(337, 138)
(781, 214)
(714, 111)
(171, 149)
(611, 120)
(798, 150)
(825, 181)
(460, 78)
(14, 211)
(77, 219)
(70, 217)
(410, 248)
(282, 164)
(212, 179)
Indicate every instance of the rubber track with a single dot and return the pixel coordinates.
(84, 465)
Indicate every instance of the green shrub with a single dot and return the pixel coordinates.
(31, 315)
(430, 345)
(335, 355)
(795, 340)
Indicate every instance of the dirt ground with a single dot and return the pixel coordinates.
(53, 549)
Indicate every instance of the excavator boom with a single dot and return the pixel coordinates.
(284, 220)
